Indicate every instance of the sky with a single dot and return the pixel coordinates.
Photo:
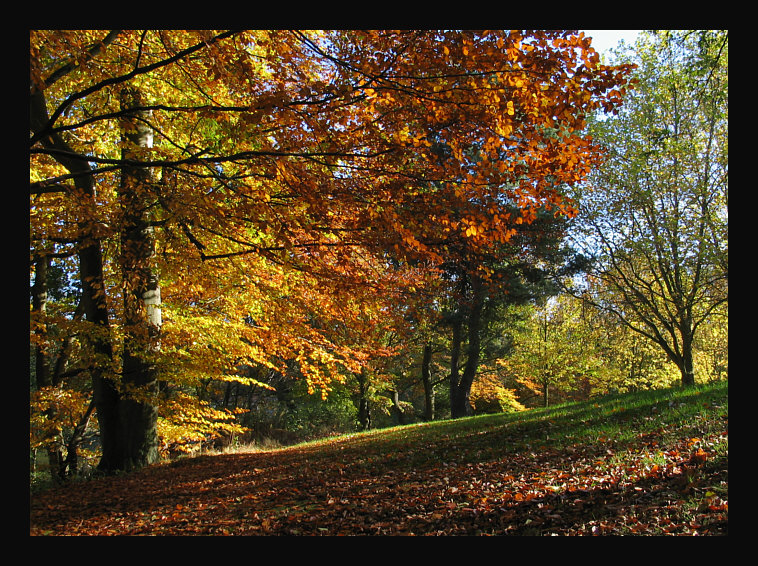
(605, 39)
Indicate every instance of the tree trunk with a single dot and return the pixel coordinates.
(39, 306)
(681, 351)
(460, 406)
(688, 367)
(70, 465)
(141, 294)
(474, 346)
(42, 370)
(364, 414)
(455, 355)
(426, 377)
(94, 302)
(399, 415)
(103, 388)
(685, 360)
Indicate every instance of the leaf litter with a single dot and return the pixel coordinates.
(409, 483)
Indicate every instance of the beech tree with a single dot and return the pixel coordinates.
(286, 169)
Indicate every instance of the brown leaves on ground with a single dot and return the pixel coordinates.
(405, 483)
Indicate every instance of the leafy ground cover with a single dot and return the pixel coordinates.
(644, 464)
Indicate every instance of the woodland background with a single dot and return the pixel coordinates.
(286, 235)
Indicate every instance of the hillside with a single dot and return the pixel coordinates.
(644, 464)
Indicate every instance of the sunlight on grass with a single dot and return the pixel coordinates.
(646, 463)
(613, 418)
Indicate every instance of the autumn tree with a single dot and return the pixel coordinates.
(525, 269)
(544, 356)
(562, 351)
(286, 168)
(141, 292)
(655, 215)
(84, 231)
(61, 409)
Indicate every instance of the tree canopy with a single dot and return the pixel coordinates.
(655, 216)
(236, 197)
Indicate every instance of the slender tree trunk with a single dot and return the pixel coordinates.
(70, 465)
(455, 355)
(50, 374)
(39, 306)
(473, 351)
(43, 373)
(426, 377)
(104, 390)
(364, 413)
(141, 295)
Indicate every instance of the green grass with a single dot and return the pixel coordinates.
(614, 419)
(647, 463)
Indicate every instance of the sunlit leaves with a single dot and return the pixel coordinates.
(658, 220)
(51, 409)
(187, 422)
(307, 183)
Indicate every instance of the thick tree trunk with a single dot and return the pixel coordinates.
(688, 367)
(684, 360)
(138, 415)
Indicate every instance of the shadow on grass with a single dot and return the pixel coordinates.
(551, 471)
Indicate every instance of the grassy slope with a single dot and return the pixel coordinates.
(652, 463)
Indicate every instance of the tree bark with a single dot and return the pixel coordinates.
(682, 355)
(39, 305)
(141, 295)
(688, 365)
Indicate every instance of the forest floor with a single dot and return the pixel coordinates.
(645, 464)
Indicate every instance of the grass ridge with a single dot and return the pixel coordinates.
(648, 463)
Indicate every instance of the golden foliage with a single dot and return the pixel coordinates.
(305, 183)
